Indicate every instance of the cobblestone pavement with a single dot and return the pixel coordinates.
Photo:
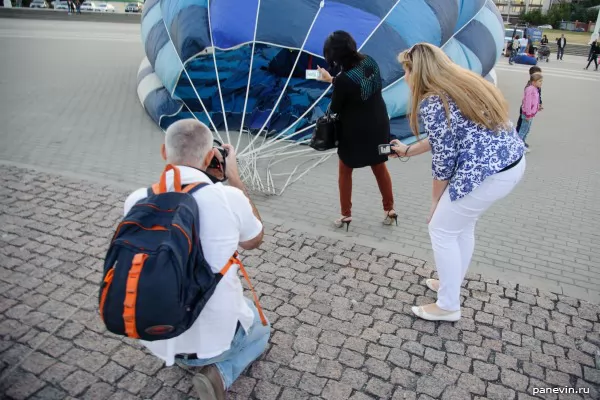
(340, 312)
(87, 120)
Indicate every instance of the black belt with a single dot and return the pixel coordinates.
(194, 356)
(511, 165)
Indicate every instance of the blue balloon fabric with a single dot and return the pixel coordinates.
(184, 39)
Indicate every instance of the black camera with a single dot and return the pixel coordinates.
(385, 149)
(215, 163)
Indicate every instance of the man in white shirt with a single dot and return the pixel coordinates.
(523, 42)
(228, 334)
(561, 43)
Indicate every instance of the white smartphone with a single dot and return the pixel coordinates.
(313, 74)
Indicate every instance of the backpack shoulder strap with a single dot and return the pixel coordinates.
(152, 190)
(194, 187)
(235, 260)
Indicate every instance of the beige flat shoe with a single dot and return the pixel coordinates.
(433, 284)
(431, 312)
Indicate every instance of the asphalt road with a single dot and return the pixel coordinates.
(69, 105)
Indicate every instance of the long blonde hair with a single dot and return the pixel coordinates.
(433, 73)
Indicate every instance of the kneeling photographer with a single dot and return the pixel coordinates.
(231, 331)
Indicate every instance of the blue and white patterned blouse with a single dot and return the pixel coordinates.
(465, 152)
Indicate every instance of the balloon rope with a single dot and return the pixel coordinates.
(313, 105)
(288, 79)
(249, 76)
(214, 52)
(263, 147)
(192, 84)
(316, 164)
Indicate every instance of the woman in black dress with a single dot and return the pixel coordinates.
(364, 121)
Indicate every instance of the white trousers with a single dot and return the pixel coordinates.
(452, 231)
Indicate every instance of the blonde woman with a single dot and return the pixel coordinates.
(477, 159)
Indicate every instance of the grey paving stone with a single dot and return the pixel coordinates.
(305, 345)
(287, 377)
(420, 366)
(37, 363)
(24, 385)
(460, 363)
(446, 375)
(591, 375)
(430, 386)
(404, 378)
(514, 380)
(472, 384)
(312, 384)
(455, 347)
(569, 367)
(293, 394)
(335, 390)
(497, 392)
(243, 386)
(485, 371)
(76, 383)
(379, 388)
(98, 391)
(266, 391)
(533, 370)
(478, 353)
(50, 393)
(377, 367)
(355, 378)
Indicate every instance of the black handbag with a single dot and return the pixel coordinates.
(327, 132)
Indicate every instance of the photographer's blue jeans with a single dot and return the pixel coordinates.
(525, 127)
(245, 348)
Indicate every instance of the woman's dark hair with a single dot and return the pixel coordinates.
(340, 50)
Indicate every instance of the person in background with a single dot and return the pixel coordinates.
(515, 45)
(530, 48)
(530, 105)
(544, 40)
(561, 43)
(364, 121)
(477, 159)
(594, 52)
(523, 42)
(532, 70)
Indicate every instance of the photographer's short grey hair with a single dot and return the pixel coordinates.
(187, 142)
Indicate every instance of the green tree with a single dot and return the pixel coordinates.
(534, 18)
(558, 13)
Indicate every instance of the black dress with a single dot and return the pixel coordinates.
(363, 115)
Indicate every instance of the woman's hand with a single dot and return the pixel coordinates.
(398, 148)
(324, 75)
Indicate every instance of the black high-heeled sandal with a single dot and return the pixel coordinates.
(341, 221)
(389, 217)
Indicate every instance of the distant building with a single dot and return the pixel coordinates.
(511, 9)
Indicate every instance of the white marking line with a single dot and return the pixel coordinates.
(544, 67)
(564, 75)
(83, 38)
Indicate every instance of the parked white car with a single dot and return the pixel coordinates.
(38, 4)
(134, 7)
(88, 6)
(545, 27)
(105, 7)
(61, 5)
